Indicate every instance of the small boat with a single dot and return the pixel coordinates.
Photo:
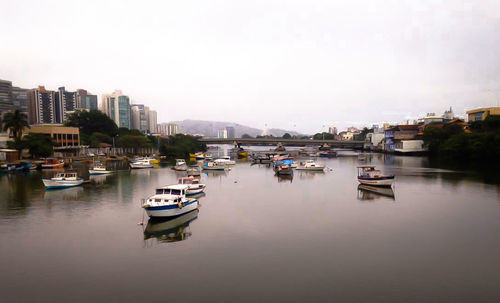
(225, 160)
(262, 159)
(242, 153)
(180, 165)
(193, 170)
(169, 201)
(152, 160)
(194, 185)
(52, 163)
(62, 180)
(283, 167)
(310, 165)
(212, 165)
(370, 176)
(144, 163)
(99, 169)
(328, 154)
(197, 156)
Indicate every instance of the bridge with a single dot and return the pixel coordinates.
(284, 142)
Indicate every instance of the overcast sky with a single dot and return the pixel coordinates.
(296, 65)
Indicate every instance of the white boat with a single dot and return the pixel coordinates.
(99, 169)
(311, 166)
(170, 201)
(62, 180)
(212, 165)
(194, 185)
(143, 163)
(225, 160)
(180, 165)
(370, 176)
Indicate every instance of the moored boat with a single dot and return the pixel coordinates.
(62, 180)
(213, 166)
(52, 163)
(310, 165)
(328, 154)
(197, 156)
(144, 163)
(193, 170)
(225, 160)
(194, 185)
(99, 168)
(169, 201)
(180, 165)
(283, 166)
(370, 176)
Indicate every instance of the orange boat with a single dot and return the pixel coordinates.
(53, 163)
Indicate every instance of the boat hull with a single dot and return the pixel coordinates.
(171, 210)
(52, 166)
(53, 184)
(99, 172)
(310, 168)
(213, 168)
(379, 181)
(139, 166)
(194, 191)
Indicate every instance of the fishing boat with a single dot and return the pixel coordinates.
(170, 230)
(283, 166)
(62, 180)
(242, 153)
(99, 168)
(197, 156)
(212, 165)
(194, 185)
(310, 165)
(180, 165)
(328, 154)
(138, 164)
(169, 201)
(225, 160)
(193, 170)
(370, 176)
(52, 163)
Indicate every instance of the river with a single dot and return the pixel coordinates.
(256, 237)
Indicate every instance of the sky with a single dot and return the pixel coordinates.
(297, 65)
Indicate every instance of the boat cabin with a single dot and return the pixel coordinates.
(180, 162)
(173, 190)
(369, 172)
(66, 176)
(188, 180)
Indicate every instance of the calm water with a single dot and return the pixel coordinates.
(255, 238)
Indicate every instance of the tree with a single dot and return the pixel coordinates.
(90, 122)
(323, 136)
(15, 122)
(132, 141)
(287, 136)
(246, 136)
(39, 145)
(97, 138)
(179, 146)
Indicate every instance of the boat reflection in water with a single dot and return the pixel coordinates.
(367, 192)
(284, 178)
(70, 194)
(171, 230)
(310, 174)
(98, 179)
(215, 173)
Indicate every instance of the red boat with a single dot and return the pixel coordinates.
(328, 154)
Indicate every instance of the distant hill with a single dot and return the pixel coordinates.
(210, 128)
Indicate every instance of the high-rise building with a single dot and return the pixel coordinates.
(19, 99)
(5, 96)
(332, 130)
(152, 121)
(117, 107)
(168, 129)
(222, 133)
(65, 104)
(230, 132)
(138, 119)
(41, 106)
(85, 100)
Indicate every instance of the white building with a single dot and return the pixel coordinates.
(332, 130)
(138, 117)
(222, 134)
(117, 107)
(168, 129)
(152, 121)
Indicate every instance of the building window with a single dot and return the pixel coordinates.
(478, 116)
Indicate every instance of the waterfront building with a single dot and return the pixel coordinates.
(85, 100)
(19, 99)
(222, 134)
(168, 129)
(62, 136)
(231, 133)
(152, 118)
(480, 114)
(5, 96)
(41, 106)
(400, 133)
(65, 104)
(117, 107)
(332, 130)
(138, 117)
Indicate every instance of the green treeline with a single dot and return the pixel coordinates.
(179, 146)
(481, 143)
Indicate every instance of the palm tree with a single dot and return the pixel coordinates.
(15, 121)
